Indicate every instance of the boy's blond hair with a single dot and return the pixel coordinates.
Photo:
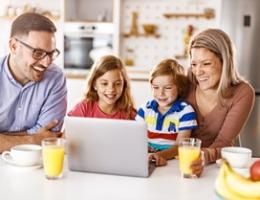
(173, 68)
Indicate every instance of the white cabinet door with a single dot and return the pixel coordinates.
(141, 92)
(76, 89)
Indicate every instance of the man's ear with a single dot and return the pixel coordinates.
(13, 45)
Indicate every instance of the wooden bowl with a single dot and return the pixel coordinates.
(149, 29)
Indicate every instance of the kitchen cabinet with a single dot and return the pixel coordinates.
(88, 32)
(89, 10)
(141, 92)
(75, 89)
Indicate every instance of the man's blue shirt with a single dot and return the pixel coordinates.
(32, 106)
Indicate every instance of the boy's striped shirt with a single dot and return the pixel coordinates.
(163, 129)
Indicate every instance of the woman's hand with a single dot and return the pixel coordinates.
(159, 160)
(197, 166)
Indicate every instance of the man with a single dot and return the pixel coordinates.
(33, 94)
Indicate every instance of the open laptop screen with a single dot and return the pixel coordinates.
(107, 146)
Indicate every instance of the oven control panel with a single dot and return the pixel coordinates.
(87, 29)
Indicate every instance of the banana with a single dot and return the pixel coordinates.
(223, 187)
(241, 185)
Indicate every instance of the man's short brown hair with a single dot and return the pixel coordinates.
(27, 22)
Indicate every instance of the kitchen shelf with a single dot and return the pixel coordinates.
(54, 18)
(126, 35)
(208, 14)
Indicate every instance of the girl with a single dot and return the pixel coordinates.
(108, 92)
(168, 117)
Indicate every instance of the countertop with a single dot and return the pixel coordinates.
(134, 74)
(164, 183)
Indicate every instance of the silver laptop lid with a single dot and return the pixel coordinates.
(107, 146)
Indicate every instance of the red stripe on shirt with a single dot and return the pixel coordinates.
(153, 135)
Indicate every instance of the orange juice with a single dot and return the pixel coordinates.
(53, 157)
(187, 154)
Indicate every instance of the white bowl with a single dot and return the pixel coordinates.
(238, 157)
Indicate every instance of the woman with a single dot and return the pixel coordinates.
(220, 97)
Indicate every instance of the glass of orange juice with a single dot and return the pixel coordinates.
(53, 150)
(189, 151)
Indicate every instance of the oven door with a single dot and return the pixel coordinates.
(76, 52)
(81, 51)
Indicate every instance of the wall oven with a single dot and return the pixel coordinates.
(83, 42)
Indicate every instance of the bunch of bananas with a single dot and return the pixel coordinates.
(232, 186)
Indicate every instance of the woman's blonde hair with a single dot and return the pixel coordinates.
(218, 42)
(99, 68)
(173, 68)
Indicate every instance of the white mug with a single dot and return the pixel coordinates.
(238, 157)
(24, 155)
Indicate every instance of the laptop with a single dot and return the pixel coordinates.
(109, 146)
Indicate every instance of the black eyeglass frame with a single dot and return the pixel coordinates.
(52, 54)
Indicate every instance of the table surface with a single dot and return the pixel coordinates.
(164, 183)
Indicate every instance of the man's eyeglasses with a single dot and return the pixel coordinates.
(39, 54)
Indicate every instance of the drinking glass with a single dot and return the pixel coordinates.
(189, 151)
(53, 157)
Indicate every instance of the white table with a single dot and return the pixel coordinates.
(164, 183)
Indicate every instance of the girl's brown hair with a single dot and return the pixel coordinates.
(173, 68)
(100, 67)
